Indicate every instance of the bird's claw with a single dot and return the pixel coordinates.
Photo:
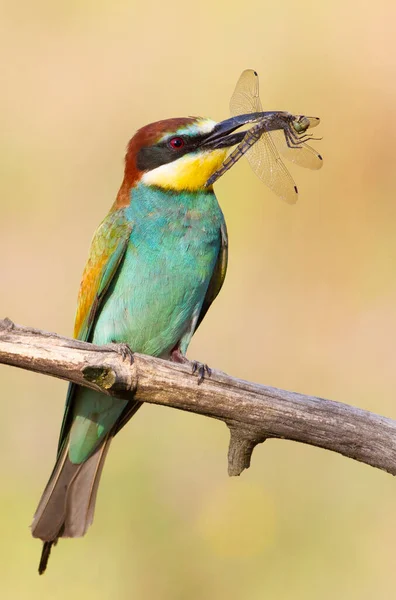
(123, 350)
(201, 369)
(196, 367)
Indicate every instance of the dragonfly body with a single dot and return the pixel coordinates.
(273, 132)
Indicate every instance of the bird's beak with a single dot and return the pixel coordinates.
(223, 136)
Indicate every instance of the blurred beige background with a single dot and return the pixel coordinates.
(309, 303)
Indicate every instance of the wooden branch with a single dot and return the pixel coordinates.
(252, 412)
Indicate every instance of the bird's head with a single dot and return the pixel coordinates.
(178, 154)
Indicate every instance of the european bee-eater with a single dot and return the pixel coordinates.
(156, 263)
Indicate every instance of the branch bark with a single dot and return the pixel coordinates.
(252, 412)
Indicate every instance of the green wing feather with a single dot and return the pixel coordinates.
(107, 251)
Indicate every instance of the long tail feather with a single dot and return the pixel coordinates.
(66, 508)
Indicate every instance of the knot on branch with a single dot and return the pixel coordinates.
(104, 377)
(242, 444)
(113, 376)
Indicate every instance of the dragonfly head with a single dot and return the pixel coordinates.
(301, 123)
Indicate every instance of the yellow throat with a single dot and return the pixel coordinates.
(190, 172)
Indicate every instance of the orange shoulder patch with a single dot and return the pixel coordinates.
(107, 249)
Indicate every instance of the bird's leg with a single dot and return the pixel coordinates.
(178, 357)
(196, 367)
(124, 350)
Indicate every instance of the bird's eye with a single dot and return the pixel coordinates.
(176, 143)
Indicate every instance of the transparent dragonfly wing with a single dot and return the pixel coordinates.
(245, 98)
(313, 121)
(266, 163)
(263, 156)
(303, 155)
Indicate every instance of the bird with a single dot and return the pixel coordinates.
(156, 263)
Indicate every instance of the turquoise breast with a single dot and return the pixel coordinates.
(156, 296)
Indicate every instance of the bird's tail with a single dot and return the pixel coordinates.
(66, 508)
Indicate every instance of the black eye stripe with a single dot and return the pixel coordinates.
(151, 157)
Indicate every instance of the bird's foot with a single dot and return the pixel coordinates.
(200, 369)
(123, 350)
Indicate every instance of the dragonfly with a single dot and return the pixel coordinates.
(274, 133)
